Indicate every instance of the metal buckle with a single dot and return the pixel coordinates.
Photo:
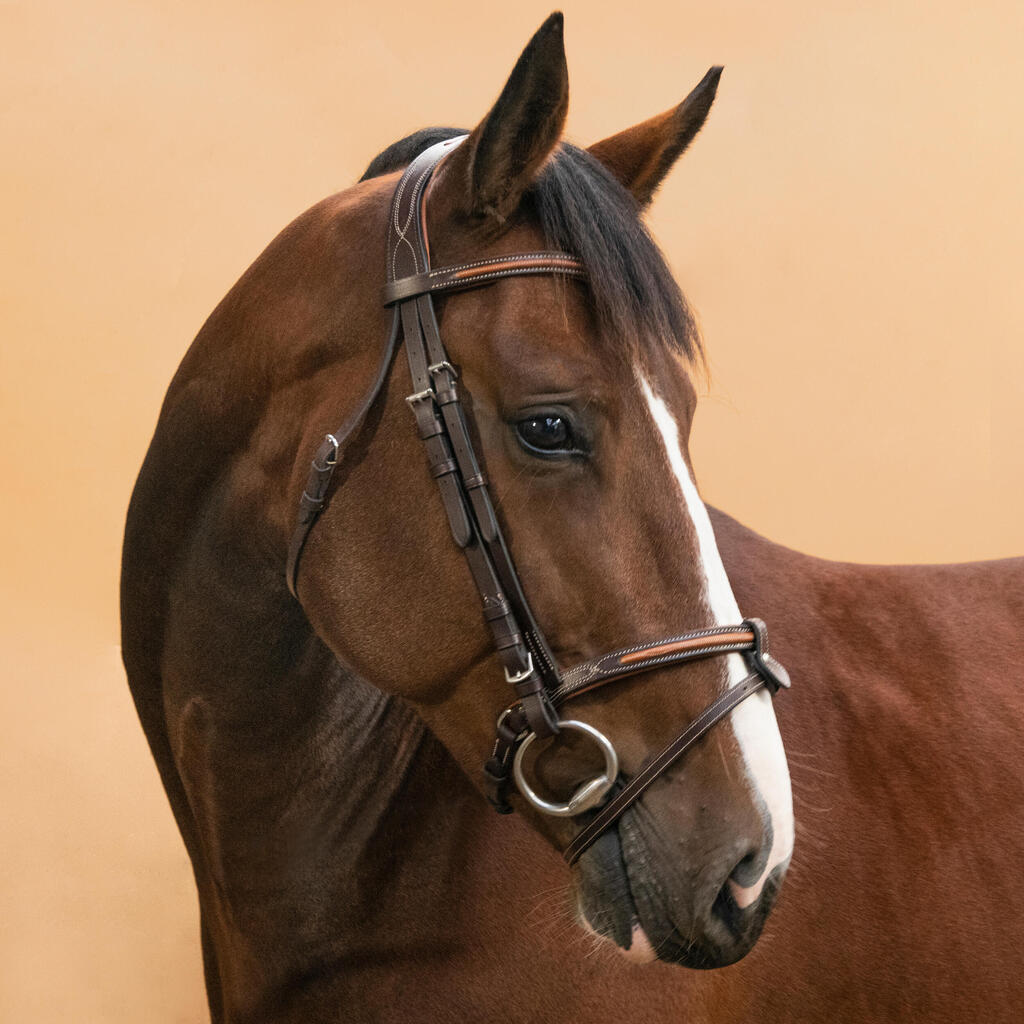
(333, 460)
(590, 794)
(330, 461)
(519, 677)
(501, 727)
(420, 396)
(436, 368)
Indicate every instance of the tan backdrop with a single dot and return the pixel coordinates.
(849, 226)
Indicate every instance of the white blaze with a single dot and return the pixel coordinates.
(753, 721)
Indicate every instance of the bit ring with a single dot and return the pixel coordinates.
(590, 794)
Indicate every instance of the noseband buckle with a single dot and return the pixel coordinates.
(590, 794)
(519, 677)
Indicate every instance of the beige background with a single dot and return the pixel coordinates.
(849, 227)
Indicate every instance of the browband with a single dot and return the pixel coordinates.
(471, 275)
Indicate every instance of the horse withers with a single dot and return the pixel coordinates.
(322, 751)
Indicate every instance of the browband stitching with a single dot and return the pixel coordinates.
(511, 258)
(510, 272)
(447, 278)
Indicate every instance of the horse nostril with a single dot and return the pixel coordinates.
(748, 876)
(748, 870)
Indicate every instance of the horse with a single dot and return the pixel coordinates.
(321, 750)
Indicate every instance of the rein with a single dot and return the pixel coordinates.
(530, 667)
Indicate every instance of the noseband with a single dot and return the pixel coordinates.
(540, 687)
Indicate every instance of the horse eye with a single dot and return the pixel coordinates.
(547, 434)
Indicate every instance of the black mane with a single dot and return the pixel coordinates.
(583, 210)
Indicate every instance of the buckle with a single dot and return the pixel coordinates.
(508, 733)
(333, 459)
(435, 368)
(420, 396)
(518, 677)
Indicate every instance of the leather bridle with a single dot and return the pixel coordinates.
(541, 688)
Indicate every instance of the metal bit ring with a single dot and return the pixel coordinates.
(590, 794)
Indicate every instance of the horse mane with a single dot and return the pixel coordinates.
(582, 209)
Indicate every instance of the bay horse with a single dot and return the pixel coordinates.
(321, 752)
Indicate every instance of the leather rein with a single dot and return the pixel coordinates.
(530, 668)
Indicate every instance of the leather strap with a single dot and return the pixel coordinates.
(314, 495)
(694, 646)
(750, 639)
(674, 650)
(654, 769)
(520, 644)
(469, 275)
(765, 672)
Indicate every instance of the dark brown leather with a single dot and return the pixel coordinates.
(750, 639)
(470, 275)
(767, 672)
(441, 422)
(633, 790)
(524, 653)
(701, 643)
(314, 496)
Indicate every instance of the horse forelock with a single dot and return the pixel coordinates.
(581, 208)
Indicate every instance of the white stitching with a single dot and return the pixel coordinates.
(710, 631)
(519, 271)
(401, 230)
(590, 672)
(511, 258)
(594, 669)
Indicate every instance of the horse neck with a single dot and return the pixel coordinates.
(322, 810)
(284, 770)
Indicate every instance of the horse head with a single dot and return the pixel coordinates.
(580, 396)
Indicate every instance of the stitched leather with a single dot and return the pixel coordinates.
(676, 650)
(470, 275)
(633, 790)
(750, 638)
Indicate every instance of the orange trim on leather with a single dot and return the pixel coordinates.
(500, 265)
(690, 644)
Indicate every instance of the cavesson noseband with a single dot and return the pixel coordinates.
(541, 688)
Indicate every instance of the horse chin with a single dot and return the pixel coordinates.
(621, 901)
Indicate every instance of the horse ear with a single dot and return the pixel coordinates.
(488, 174)
(641, 156)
